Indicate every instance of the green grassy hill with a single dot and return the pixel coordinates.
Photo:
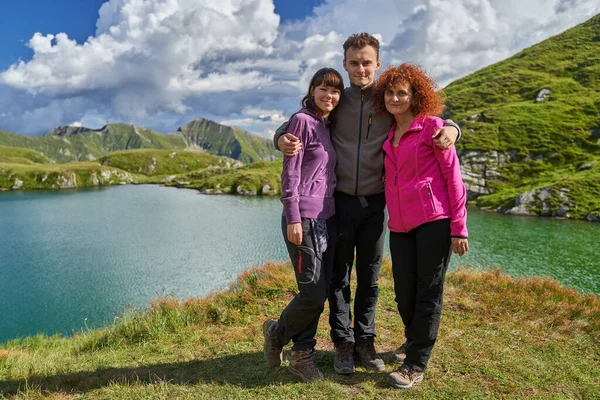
(499, 338)
(69, 143)
(159, 163)
(21, 156)
(532, 127)
(227, 141)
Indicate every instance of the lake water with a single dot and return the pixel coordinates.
(72, 259)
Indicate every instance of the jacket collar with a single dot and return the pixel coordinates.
(356, 89)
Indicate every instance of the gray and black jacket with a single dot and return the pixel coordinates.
(358, 135)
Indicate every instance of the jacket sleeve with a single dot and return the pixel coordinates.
(291, 174)
(283, 129)
(450, 167)
(449, 122)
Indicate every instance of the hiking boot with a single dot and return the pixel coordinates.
(273, 354)
(302, 365)
(366, 354)
(405, 377)
(344, 360)
(400, 353)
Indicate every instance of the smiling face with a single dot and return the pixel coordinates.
(398, 99)
(361, 65)
(326, 98)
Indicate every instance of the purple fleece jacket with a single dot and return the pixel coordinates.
(308, 179)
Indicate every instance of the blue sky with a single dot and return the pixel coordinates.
(19, 20)
(162, 63)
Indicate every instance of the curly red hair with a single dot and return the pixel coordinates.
(426, 100)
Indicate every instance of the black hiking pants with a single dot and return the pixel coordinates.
(361, 226)
(420, 260)
(299, 320)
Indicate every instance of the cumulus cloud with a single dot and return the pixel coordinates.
(161, 63)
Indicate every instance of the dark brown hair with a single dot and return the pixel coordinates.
(361, 40)
(425, 99)
(325, 77)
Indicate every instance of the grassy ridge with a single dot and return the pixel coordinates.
(548, 140)
(14, 155)
(70, 143)
(499, 338)
(163, 162)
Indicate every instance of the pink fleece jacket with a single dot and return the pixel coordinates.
(423, 182)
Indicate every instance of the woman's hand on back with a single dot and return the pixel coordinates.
(294, 233)
(459, 246)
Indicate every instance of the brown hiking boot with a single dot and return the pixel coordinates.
(400, 353)
(343, 362)
(302, 365)
(366, 354)
(405, 377)
(273, 354)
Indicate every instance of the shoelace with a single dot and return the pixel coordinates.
(407, 371)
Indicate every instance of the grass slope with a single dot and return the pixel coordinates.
(68, 144)
(160, 163)
(499, 338)
(549, 140)
(21, 156)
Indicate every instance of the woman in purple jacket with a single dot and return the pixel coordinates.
(307, 183)
(426, 199)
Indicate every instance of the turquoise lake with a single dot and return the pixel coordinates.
(76, 259)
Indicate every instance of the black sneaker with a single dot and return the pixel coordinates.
(366, 354)
(302, 365)
(400, 353)
(273, 354)
(405, 377)
(344, 360)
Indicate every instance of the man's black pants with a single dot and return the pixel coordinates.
(361, 225)
(299, 320)
(420, 260)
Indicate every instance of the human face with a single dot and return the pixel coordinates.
(398, 99)
(326, 98)
(361, 65)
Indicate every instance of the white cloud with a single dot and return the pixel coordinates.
(164, 62)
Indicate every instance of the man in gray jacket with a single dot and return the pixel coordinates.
(358, 136)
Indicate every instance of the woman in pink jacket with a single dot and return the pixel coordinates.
(426, 200)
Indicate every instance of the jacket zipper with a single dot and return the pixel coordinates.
(369, 126)
(300, 263)
(362, 98)
(430, 195)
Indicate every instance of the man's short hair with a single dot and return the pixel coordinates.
(360, 41)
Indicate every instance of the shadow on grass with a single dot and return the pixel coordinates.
(243, 370)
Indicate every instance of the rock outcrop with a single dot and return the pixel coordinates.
(548, 202)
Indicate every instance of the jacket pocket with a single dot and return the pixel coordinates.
(306, 265)
(431, 199)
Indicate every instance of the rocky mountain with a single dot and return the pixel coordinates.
(531, 125)
(70, 143)
(226, 141)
